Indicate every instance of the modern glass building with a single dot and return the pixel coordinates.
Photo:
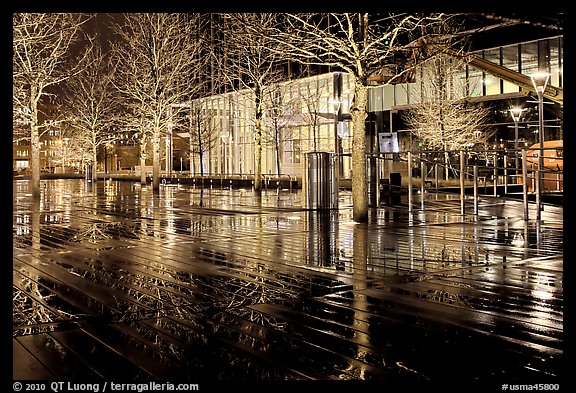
(312, 114)
(308, 114)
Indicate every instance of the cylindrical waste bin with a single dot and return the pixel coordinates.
(321, 181)
(89, 169)
(395, 187)
(395, 181)
(373, 176)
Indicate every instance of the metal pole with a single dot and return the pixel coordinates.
(423, 171)
(495, 173)
(505, 174)
(336, 102)
(167, 151)
(538, 190)
(436, 175)
(410, 181)
(516, 149)
(476, 188)
(540, 80)
(462, 190)
(540, 154)
(525, 184)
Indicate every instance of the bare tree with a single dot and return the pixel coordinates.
(139, 125)
(251, 67)
(444, 119)
(279, 109)
(78, 146)
(312, 100)
(65, 149)
(91, 104)
(41, 51)
(156, 57)
(362, 45)
(203, 133)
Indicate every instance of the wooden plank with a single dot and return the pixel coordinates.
(133, 348)
(108, 296)
(100, 357)
(27, 367)
(61, 362)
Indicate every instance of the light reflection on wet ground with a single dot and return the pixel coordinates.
(221, 284)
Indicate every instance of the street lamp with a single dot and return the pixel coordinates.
(336, 103)
(516, 113)
(540, 80)
(169, 149)
(224, 153)
(107, 147)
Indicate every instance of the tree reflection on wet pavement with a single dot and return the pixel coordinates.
(112, 282)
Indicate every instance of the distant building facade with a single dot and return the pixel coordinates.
(316, 113)
(310, 114)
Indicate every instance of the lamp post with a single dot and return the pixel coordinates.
(540, 80)
(224, 153)
(64, 154)
(516, 113)
(169, 149)
(336, 106)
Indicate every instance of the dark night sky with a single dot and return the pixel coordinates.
(522, 27)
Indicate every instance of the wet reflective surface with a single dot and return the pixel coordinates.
(113, 282)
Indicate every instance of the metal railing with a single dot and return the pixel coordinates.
(474, 169)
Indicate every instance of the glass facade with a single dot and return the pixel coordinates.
(313, 113)
(299, 116)
(306, 114)
(526, 58)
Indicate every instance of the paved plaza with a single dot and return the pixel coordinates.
(114, 283)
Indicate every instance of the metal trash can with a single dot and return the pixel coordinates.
(321, 181)
(395, 181)
(89, 173)
(395, 188)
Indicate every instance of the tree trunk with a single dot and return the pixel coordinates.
(156, 161)
(35, 162)
(359, 187)
(190, 154)
(314, 146)
(446, 164)
(35, 146)
(201, 161)
(200, 149)
(142, 169)
(94, 158)
(258, 143)
(258, 156)
(277, 156)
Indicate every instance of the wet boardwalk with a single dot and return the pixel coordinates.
(112, 283)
